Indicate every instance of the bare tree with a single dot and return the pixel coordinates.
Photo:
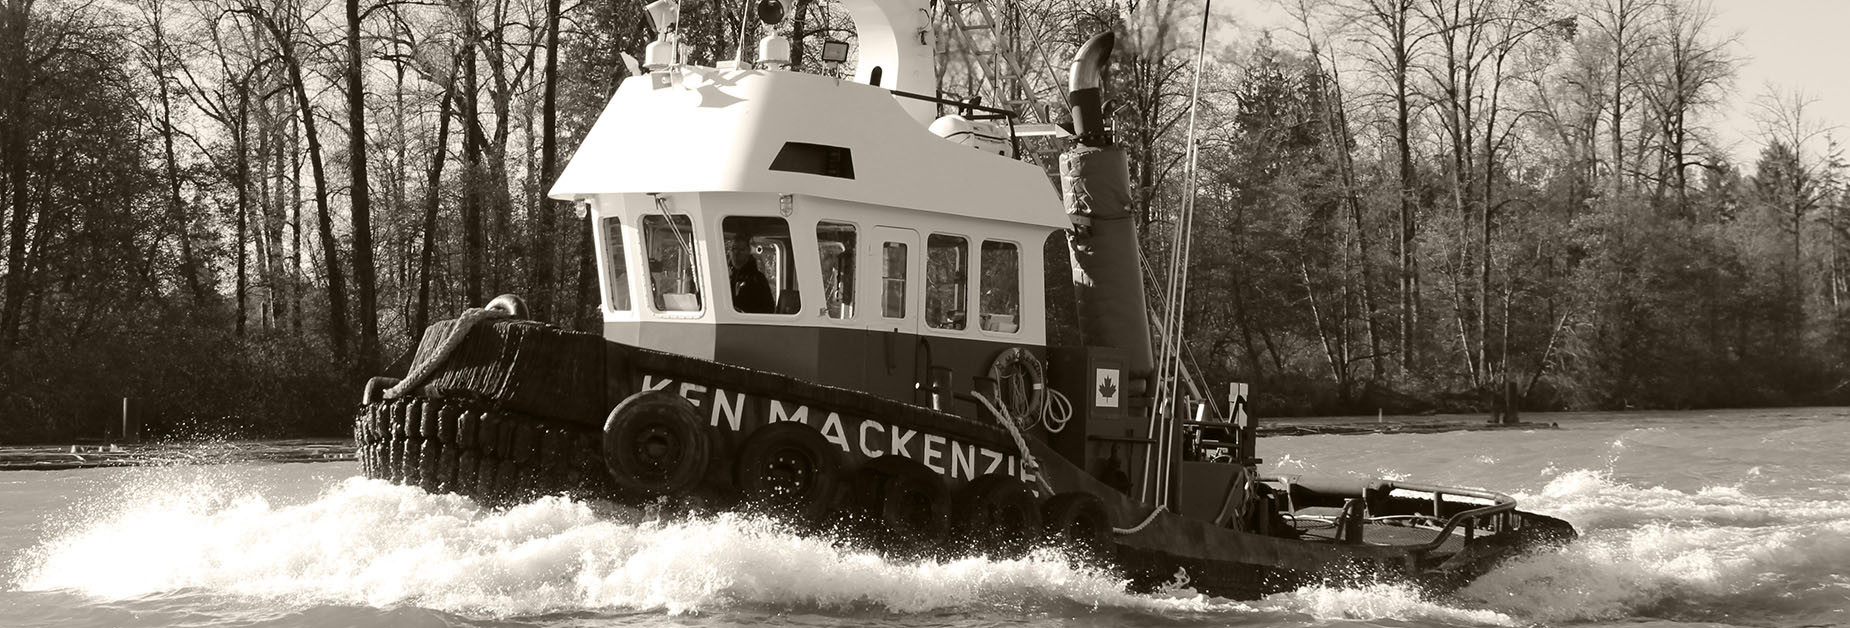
(1692, 72)
(360, 195)
(1627, 30)
(283, 27)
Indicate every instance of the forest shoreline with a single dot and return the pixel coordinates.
(92, 454)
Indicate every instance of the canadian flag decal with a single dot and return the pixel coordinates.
(1106, 388)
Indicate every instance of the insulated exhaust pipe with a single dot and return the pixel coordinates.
(1085, 87)
(1095, 179)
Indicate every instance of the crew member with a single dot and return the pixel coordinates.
(751, 292)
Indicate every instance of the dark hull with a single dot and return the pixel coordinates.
(519, 410)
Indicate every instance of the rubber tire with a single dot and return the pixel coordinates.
(429, 422)
(661, 419)
(446, 470)
(431, 450)
(997, 514)
(1079, 521)
(786, 449)
(395, 467)
(448, 419)
(905, 499)
(445, 446)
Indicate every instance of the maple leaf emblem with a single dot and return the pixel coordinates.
(1107, 390)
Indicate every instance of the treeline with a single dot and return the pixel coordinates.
(233, 211)
(1432, 204)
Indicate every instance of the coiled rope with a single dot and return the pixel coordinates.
(1031, 400)
(1056, 412)
(1021, 385)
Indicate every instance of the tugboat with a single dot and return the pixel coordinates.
(824, 300)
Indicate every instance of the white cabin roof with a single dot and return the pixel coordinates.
(693, 129)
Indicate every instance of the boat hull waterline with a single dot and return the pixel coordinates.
(518, 409)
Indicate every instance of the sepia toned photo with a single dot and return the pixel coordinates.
(924, 313)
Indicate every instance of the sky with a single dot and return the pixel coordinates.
(1801, 45)
(1790, 44)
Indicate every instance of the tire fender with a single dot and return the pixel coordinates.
(789, 468)
(1080, 520)
(908, 500)
(654, 443)
(998, 514)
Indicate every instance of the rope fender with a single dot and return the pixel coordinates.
(426, 364)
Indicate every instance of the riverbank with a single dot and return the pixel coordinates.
(1397, 424)
(53, 458)
(1436, 423)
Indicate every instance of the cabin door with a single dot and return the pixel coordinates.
(893, 355)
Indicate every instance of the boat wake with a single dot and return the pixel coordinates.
(371, 543)
(1709, 555)
(1645, 551)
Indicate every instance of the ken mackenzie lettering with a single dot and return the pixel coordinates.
(854, 435)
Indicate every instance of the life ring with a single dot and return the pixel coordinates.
(998, 514)
(789, 468)
(908, 501)
(1080, 519)
(1022, 383)
(654, 444)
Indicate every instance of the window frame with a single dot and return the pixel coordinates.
(905, 279)
(925, 323)
(608, 258)
(853, 305)
(1020, 289)
(699, 280)
(790, 265)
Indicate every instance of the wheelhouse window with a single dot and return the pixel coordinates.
(674, 278)
(760, 265)
(893, 280)
(835, 246)
(1001, 301)
(947, 272)
(616, 267)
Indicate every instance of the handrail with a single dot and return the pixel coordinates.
(1457, 519)
(1477, 493)
(989, 113)
(1500, 503)
(956, 103)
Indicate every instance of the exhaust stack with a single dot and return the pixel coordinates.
(1095, 179)
(1085, 90)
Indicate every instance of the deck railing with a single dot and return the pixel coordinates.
(1496, 507)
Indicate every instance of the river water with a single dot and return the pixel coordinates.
(1697, 518)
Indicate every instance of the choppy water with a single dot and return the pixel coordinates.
(1738, 518)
